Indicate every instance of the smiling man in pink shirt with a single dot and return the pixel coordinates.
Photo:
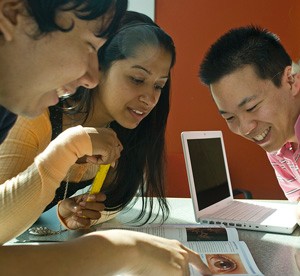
(256, 88)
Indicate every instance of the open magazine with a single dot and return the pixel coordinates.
(219, 248)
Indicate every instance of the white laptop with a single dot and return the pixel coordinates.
(211, 190)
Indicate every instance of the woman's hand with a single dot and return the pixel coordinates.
(78, 212)
(106, 146)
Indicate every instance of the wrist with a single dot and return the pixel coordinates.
(60, 217)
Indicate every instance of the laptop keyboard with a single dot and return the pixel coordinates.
(240, 211)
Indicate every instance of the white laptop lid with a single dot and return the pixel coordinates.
(207, 170)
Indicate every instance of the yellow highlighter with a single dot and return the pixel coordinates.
(99, 179)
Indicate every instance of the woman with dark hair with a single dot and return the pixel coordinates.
(133, 99)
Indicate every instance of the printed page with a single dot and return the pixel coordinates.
(185, 234)
(230, 258)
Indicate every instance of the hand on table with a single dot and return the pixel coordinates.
(148, 255)
(76, 212)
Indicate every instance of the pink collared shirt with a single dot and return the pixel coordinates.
(286, 163)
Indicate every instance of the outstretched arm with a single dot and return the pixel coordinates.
(102, 253)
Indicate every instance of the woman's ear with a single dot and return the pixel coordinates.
(9, 11)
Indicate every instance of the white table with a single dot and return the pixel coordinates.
(273, 253)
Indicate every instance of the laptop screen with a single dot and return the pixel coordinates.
(209, 172)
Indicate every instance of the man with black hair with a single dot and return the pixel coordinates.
(256, 88)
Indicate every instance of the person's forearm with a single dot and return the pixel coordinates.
(22, 193)
(64, 151)
(88, 255)
(24, 197)
(103, 253)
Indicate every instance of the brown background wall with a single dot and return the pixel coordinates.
(194, 26)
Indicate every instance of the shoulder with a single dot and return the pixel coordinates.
(39, 123)
(35, 129)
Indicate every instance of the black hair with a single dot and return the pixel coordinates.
(141, 167)
(250, 45)
(44, 13)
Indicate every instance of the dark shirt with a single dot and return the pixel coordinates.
(7, 120)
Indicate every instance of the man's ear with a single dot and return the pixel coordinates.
(296, 84)
(9, 11)
(292, 78)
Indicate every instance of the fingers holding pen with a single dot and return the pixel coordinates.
(91, 206)
(77, 212)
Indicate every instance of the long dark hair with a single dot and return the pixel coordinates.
(141, 167)
(44, 13)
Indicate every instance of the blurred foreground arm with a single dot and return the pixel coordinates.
(102, 253)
